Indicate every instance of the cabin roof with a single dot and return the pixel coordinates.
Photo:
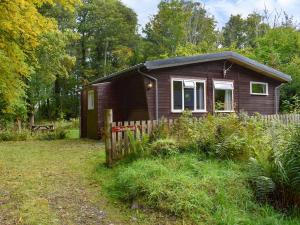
(180, 61)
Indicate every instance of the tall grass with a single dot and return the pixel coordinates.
(196, 190)
(172, 178)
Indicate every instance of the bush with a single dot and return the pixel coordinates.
(275, 172)
(161, 131)
(224, 137)
(57, 134)
(8, 135)
(201, 192)
(137, 147)
(164, 147)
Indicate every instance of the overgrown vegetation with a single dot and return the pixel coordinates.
(62, 129)
(221, 169)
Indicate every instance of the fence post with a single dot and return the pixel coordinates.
(108, 118)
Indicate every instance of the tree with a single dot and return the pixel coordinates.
(183, 25)
(242, 33)
(108, 31)
(280, 49)
(21, 27)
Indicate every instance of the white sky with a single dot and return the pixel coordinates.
(221, 9)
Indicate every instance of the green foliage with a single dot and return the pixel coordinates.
(292, 105)
(8, 135)
(275, 173)
(22, 26)
(137, 146)
(58, 134)
(161, 131)
(164, 147)
(200, 192)
(225, 137)
(241, 33)
(180, 28)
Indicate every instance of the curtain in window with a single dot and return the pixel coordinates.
(228, 100)
(200, 96)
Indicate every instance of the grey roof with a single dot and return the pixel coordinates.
(230, 56)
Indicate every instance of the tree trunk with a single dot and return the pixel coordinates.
(19, 124)
(31, 119)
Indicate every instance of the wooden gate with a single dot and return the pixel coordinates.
(116, 135)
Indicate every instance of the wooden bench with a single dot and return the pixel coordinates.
(42, 128)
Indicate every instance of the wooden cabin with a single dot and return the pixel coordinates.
(212, 83)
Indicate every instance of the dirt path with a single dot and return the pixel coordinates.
(48, 183)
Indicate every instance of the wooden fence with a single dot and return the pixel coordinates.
(117, 140)
(283, 118)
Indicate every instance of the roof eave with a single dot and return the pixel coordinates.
(234, 57)
(115, 75)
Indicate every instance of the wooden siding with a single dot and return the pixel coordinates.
(106, 100)
(151, 98)
(241, 77)
(131, 100)
(126, 96)
(83, 114)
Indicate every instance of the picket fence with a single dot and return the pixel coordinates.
(117, 139)
(283, 118)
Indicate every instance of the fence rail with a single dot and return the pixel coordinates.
(283, 118)
(117, 139)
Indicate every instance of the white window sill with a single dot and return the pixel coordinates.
(198, 111)
(256, 94)
(231, 111)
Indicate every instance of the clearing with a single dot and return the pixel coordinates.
(51, 182)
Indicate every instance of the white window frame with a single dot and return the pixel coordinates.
(214, 100)
(195, 98)
(91, 102)
(263, 83)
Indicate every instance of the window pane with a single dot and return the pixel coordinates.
(91, 100)
(259, 88)
(189, 84)
(200, 96)
(177, 94)
(223, 100)
(219, 100)
(189, 98)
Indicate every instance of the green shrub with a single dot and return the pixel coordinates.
(137, 146)
(164, 147)
(224, 137)
(201, 192)
(275, 172)
(161, 131)
(57, 134)
(10, 135)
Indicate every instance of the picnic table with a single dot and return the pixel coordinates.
(36, 128)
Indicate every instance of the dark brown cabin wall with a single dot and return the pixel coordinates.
(131, 98)
(254, 103)
(241, 77)
(151, 97)
(106, 100)
(83, 114)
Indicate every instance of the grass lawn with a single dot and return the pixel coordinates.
(51, 182)
(66, 182)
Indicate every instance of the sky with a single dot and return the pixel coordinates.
(221, 9)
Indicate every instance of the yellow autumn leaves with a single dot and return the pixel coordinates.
(21, 28)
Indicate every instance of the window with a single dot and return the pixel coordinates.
(91, 100)
(188, 94)
(258, 88)
(223, 96)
